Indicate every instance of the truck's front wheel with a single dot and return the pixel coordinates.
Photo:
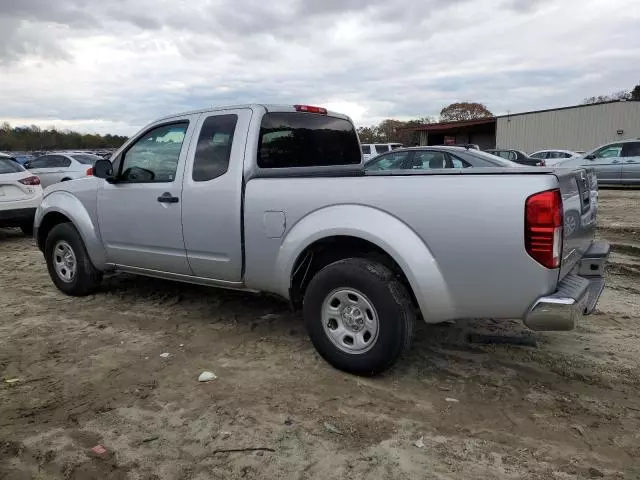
(68, 263)
(359, 316)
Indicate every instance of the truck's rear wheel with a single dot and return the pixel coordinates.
(68, 263)
(359, 316)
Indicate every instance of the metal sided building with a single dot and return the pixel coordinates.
(581, 127)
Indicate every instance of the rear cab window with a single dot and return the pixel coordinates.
(300, 139)
(366, 149)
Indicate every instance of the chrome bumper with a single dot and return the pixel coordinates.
(576, 296)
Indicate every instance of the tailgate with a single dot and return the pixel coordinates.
(579, 189)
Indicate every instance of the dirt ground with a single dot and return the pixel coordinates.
(474, 400)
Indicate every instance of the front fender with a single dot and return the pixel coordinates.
(61, 202)
(383, 230)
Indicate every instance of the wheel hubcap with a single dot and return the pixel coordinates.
(64, 261)
(350, 321)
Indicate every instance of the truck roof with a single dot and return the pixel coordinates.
(267, 107)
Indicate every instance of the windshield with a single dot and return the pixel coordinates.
(10, 166)
(85, 158)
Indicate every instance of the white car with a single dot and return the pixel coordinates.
(60, 167)
(552, 157)
(370, 150)
(20, 195)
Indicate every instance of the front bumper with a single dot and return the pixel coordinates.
(577, 294)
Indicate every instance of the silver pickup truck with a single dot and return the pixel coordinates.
(275, 199)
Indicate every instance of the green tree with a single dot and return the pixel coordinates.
(464, 111)
(635, 93)
(35, 138)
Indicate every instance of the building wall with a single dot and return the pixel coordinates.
(579, 128)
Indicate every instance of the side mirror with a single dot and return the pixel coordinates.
(103, 169)
(27, 165)
(590, 157)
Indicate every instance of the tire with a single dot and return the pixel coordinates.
(85, 278)
(339, 333)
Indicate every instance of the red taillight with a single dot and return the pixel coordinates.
(543, 227)
(310, 109)
(32, 180)
(90, 171)
(542, 163)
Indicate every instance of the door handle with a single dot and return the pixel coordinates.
(615, 162)
(166, 197)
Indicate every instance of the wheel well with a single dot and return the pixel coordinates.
(331, 249)
(65, 179)
(49, 221)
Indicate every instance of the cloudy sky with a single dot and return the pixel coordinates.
(114, 65)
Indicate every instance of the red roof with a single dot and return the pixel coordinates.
(434, 127)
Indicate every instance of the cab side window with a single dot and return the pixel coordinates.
(154, 156)
(213, 150)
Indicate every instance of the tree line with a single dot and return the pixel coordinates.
(34, 138)
(633, 94)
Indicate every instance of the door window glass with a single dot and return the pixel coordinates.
(539, 155)
(154, 156)
(41, 162)
(610, 151)
(214, 147)
(429, 160)
(458, 163)
(58, 161)
(631, 149)
(391, 161)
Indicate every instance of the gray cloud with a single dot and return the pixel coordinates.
(128, 61)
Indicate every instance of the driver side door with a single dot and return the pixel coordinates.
(140, 212)
(607, 163)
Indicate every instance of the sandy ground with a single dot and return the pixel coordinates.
(89, 371)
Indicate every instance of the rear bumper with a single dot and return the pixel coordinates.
(577, 294)
(16, 217)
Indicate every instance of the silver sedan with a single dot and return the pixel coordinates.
(436, 157)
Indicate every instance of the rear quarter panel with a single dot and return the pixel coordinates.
(471, 226)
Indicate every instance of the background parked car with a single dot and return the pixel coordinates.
(6, 156)
(552, 157)
(20, 195)
(370, 150)
(615, 163)
(517, 156)
(60, 167)
(436, 157)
